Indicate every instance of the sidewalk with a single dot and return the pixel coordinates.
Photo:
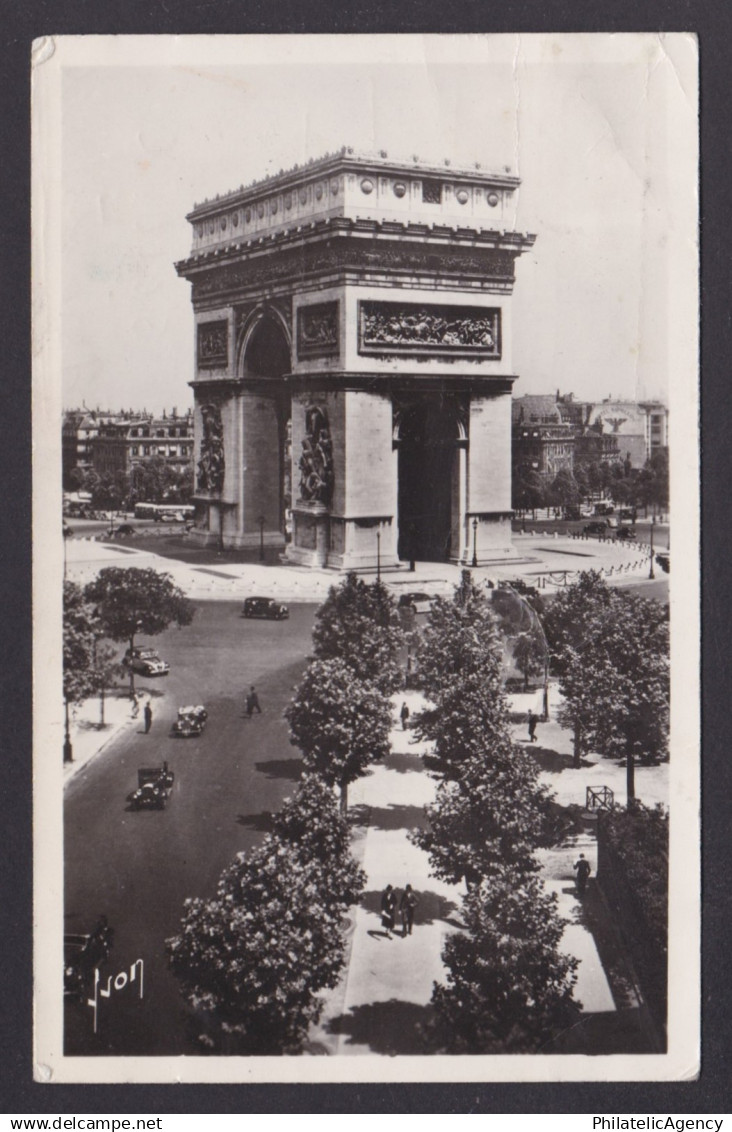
(384, 998)
(88, 739)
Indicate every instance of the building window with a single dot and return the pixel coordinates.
(146, 449)
(432, 192)
(135, 449)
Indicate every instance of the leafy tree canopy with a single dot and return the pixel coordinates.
(79, 631)
(611, 651)
(310, 822)
(257, 956)
(133, 600)
(340, 724)
(460, 639)
(509, 987)
(359, 625)
(494, 815)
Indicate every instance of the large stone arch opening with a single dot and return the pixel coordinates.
(428, 481)
(265, 359)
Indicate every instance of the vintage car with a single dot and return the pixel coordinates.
(82, 953)
(153, 787)
(190, 722)
(417, 602)
(599, 528)
(265, 607)
(145, 661)
(625, 533)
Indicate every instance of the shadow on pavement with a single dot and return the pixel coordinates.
(397, 817)
(592, 913)
(281, 768)
(391, 1028)
(403, 763)
(261, 823)
(553, 761)
(431, 908)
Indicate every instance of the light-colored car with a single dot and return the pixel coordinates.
(145, 661)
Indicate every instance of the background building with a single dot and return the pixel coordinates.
(122, 443)
(555, 432)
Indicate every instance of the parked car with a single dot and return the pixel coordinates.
(595, 529)
(83, 951)
(519, 585)
(124, 530)
(625, 533)
(604, 508)
(145, 661)
(417, 602)
(265, 607)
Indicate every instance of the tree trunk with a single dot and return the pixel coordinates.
(132, 671)
(344, 799)
(577, 746)
(101, 707)
(630, 776)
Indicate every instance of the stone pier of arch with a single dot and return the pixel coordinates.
(353, 368)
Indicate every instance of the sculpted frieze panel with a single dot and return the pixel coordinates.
(423, 328)
(317, 330)
(213, 344)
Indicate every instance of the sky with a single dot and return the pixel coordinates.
(601, 129)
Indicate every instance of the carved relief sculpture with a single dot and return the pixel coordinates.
(409, 328)
(316, 460)
(317, 330)
(211, 466)
(213, 344)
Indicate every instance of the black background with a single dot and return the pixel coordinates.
(19, 25)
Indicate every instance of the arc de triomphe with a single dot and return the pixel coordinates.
(353, 362)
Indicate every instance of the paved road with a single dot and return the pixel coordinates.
(138, 867)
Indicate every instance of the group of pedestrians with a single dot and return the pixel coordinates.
(406, 904)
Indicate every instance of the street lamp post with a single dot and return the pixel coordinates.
(68, 750)
(378, 558)
(475, 542)
(261, 522)
(651, 574)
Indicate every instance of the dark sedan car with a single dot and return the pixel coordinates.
(265, 607)
(594, 529)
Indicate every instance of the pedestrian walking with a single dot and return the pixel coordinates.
(253, 702)
(388, 907)
(148, 717)
(408, 903)
(583, 870)
(532, 721)
(404, 716)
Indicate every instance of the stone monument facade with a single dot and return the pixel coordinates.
(353, 362)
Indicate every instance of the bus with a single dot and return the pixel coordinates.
(165, 512)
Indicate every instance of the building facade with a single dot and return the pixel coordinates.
(353, 362)
(122, 443)
(553, 432)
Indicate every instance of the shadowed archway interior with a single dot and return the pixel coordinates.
(427, 458)
(267, 355)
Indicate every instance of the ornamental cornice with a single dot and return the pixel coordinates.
(410, 232)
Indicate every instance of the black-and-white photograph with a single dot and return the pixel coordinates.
(365, 402)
